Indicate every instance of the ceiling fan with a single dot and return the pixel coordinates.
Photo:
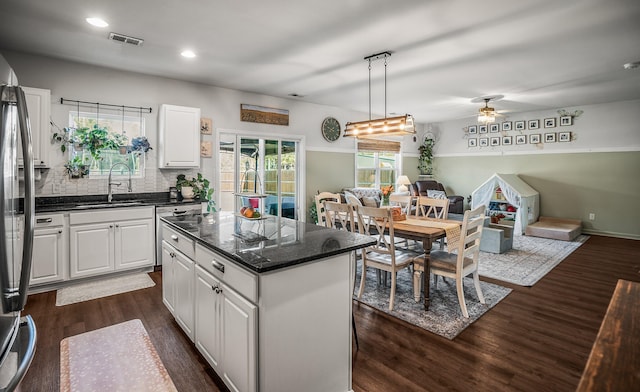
(487, 114)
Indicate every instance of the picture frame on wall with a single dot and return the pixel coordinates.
(482, 129)
(494, 128)
(534, 124)
(473, 129)
(495, 141)
(550, 122)
(566, 120)
(521, 139)
(564, 136)
(520, 125)
(550, 137)
(484, 142)
(472, 142)
(206, 126)
(507, 140)
(506, 126)
(206, 150)
(534, 138)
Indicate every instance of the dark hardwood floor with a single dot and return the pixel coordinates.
(537, 339)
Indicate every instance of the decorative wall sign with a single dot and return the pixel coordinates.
(205, 150)
(506, 126)
(520, 125)
(566, 120)
(473, 142)
(564, 136)
(534, 124)
(521, 139)
(550, 137)
(484, 142)
(534, 139)
(206, 126)
(264, 115)
(550, 122)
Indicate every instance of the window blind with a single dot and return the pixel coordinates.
(379, 146)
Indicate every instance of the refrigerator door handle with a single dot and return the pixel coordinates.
(5, 107)
(29, 199)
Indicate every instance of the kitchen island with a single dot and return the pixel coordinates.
(266, 301)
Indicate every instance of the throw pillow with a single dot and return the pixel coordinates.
(370, 201)
(436, 194)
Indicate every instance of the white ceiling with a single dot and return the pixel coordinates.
(540, 54)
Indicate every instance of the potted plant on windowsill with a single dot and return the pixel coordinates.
(197, 187)
(77, 167)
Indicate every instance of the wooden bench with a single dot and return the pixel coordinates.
(615, 357)
(555, 228)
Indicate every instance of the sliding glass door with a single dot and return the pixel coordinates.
(269, 166)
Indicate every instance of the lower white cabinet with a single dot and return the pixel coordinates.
(110, 240)
(168, 281)
(226, 331)
(49, 249)
(183, 277)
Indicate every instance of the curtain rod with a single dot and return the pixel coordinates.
(98, 104)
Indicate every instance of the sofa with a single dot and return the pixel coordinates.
(369, 197)
(421, 188)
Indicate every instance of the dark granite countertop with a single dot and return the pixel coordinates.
(266, 244)
(87, 202)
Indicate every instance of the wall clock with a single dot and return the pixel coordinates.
(330, 129)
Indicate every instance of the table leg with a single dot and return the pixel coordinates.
(426, 274)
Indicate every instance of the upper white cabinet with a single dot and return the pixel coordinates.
(39, 107)
(179, 137)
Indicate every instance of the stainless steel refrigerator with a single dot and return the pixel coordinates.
(17, 333)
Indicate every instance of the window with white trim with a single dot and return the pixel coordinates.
(377, 163)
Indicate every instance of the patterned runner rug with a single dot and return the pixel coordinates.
(102, 288)
(116, 358)
(530, 259)
(444, 316)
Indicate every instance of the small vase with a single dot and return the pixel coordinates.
(385, 201)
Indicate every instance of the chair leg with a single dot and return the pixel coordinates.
(417, 275)
(355, 333)
(460, 290)
(476, 282)
(362, 278)
(393, 290)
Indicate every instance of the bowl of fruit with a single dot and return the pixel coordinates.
(250, 213)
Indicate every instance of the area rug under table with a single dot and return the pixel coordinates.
(112, 359)
(103, 288)
(444, 316)
(530, 259)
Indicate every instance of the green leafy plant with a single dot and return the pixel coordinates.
(201, 189)
(77, 167)
(425, 160)
(96, 139)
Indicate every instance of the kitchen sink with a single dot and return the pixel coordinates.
(108, 205)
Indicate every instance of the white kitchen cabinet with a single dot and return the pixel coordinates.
(38, 107)
(168, 284)
(179, 141)
(110, 240)
(226, 331)
(49, 249)
(184, 280)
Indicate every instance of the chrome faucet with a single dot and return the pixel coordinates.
(110, 194)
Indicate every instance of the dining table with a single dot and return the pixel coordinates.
(427, 230)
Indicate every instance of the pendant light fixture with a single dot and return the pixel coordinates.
(387, 126)
(487, 114)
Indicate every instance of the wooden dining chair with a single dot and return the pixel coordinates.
(319, 198)
(382, 256)
(432, 208)
(405, 204)
(464, 261)
(340, 216)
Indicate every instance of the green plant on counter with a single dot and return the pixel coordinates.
(77, 167)
(201, 189)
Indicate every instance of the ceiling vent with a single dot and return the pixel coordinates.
(125, 39)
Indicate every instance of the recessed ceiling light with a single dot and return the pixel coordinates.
(188, 54)
(97, 22)
(633, 65)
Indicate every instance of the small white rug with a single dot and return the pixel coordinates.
(117, 358)
(103, 288)
(530, 259)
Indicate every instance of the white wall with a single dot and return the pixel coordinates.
(77, 81)
(609, 127)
